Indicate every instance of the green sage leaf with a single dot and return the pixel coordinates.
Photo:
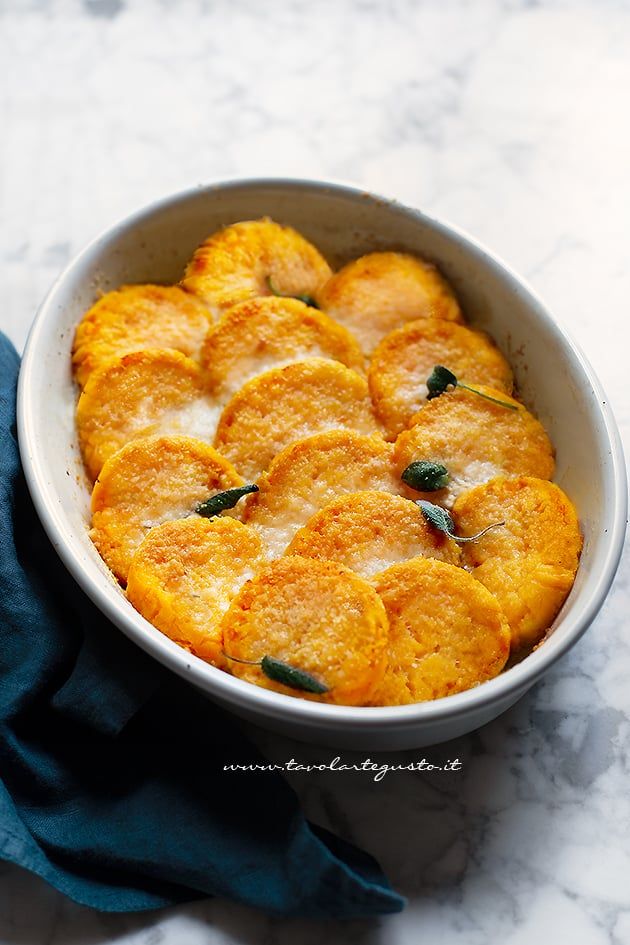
(441, 519)
(439, 380)
(493, 400)
(291, 676)
(437, 516)
(424, 476)
(224, 500)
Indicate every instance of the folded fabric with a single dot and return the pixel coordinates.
(111, 769)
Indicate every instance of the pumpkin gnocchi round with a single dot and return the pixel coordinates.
(530, 563)
(287, 404)
(136, 317)
(475, 439)
(186, 572)
(141, 394)
(149, 481)
(261, 334)
(314, 615)
(251, 259)
(368, 531)
(447, 633)
(351, 541)
(404, 359)
(379, 292)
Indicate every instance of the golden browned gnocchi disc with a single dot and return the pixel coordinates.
(135, 317)
(309, 474)
(150, 481)
(286, 404)
(405, 358)
(142, 394)
(446, 632)
(185, 574)
(379, 292)
(369, 531)
(316, 616)
(265, 333)
(476, 440)
(530, 563)
(240, 261)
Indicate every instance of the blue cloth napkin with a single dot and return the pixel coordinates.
(111, 780)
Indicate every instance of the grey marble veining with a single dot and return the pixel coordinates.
(507, 118)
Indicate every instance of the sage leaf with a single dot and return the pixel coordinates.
(291, 676)
(224, 500)
(440, 379)
(442, 520)
(424, 476)
(437, 516)
(284, 673)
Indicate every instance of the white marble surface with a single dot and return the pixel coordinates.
(508, 118)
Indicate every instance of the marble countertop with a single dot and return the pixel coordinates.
(506, 118)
